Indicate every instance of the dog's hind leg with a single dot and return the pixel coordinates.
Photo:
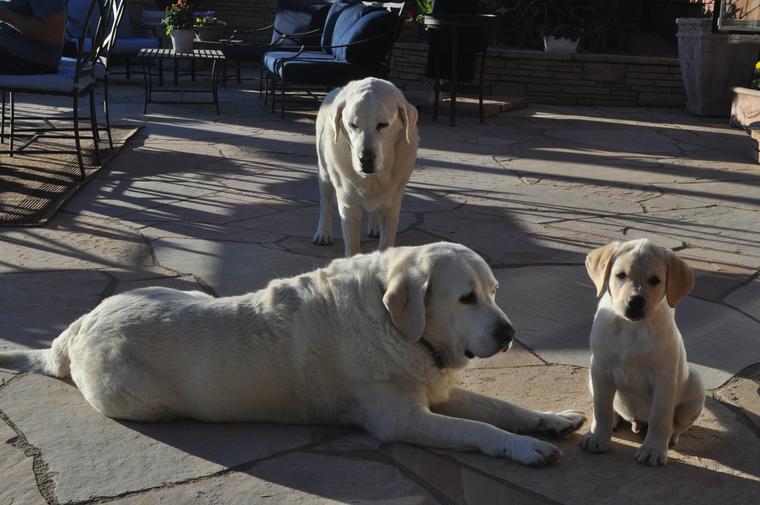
(688, 410)
(323, 235)
(373, 225)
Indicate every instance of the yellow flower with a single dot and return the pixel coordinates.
(757, 65)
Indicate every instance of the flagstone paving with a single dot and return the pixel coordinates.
(225, 203)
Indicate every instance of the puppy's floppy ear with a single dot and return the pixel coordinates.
(598, 264)
(337, 118)
(680, 280)
(405, 298)
(408, 114)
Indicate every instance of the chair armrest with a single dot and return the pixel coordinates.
(394, 31)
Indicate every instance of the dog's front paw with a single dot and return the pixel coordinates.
(561, 424)
(652, 455)
(531, 451)
(594, 442)
(322, 237)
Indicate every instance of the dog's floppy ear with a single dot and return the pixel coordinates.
(405, 298)
(680, 280)
(337, 118)
(598, 264)
(408, 114)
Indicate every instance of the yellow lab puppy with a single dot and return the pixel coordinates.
(638, 366)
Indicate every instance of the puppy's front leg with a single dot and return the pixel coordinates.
(654, 450)
(351, 221)
(469, 405)
(603, 391)
(417, 425)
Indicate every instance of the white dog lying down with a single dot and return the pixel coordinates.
(374, 340)
(366, 146)
(638, 366)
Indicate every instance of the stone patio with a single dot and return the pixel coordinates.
(225, 203)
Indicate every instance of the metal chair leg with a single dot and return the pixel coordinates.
(105, 111)
(274, 93)
(13, 122)
(76, 136)
(2, 122)
(480, 88)
(261, 80)
(128, 69)
(94, 127)
(282, 100)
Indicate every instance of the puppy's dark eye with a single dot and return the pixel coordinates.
(351, 125)
(621, 276)
(380, 126)
(469, 298)
(653, 281)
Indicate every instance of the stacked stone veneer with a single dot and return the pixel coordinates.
(584, 79)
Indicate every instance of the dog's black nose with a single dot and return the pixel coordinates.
(503, 332)
(367, 162)
(635, 308)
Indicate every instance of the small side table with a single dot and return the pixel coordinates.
(149, 55)
(454, 23)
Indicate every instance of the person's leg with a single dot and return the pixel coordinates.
(10, 64)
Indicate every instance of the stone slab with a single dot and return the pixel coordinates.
(307, 479)
(717, 455)
(231, 268)
(38, 306)
(90, 455)
(743, 391)
(747, 298)
(72, 244)
(552, 308)
(19, 484)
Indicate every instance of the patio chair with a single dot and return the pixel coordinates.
(74, 82)
(296, 23)
(102, 68)
(357, 42)
(131, 35)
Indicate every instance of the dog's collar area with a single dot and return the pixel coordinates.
(438, 359)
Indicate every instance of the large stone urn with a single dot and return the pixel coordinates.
(712, 64)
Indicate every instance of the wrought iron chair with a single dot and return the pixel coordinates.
(74, 82)
(102, 68)
(357, 42)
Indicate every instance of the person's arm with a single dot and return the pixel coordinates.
(42, 28)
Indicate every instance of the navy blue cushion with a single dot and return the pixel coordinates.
(274, 60)
(328, 72)
(378, 26)
(299, 16)
(332, 18)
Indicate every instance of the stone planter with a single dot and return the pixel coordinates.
(745, 107)
(711, 64)
(560, 45)
(182, 40)
(212, 33)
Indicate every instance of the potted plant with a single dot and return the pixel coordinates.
(179, 22)
(560, 25)
(209, 27)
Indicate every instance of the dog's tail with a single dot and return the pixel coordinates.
(54, 361)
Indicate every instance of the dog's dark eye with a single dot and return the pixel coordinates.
(351, 125)
(380, 126)
(654, 280)
(469, 298)
(621, 276)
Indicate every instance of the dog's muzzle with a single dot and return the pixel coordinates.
(503, 332)
(634, 310)
(367, 162)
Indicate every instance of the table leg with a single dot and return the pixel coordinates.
(454, 58)
(147, 78)
(176, 71)
(214, 86)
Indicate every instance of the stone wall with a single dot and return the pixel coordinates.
(583, 79)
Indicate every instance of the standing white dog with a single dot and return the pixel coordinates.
(638, 365)
(366, 146)
(374, 340)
